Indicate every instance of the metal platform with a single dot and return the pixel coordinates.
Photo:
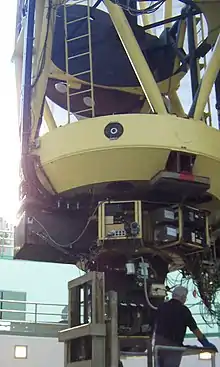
(92, 339)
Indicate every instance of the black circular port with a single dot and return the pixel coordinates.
(113, 130)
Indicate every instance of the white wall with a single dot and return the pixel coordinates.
(44, 352)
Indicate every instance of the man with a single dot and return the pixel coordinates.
(172, 320)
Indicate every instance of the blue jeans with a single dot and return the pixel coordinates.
(167, 358)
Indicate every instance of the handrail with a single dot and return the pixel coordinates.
(187, 350)
(35, 315)
(33, 303)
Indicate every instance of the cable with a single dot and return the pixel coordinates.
(79, 236)
(145, 286)
(153, 7)
(53, 245)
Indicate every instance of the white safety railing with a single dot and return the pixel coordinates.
(32, 312)
(49, 313)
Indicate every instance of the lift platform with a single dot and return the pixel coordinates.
(92, 337)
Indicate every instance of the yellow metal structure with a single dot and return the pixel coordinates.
(208, 80)
(75, 158)
(107, 225)
(95, 159)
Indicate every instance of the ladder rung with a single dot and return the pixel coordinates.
(78, 112)
(79, 55)
(76, 20)
(81, 92)
(78, 38)
(81, 73)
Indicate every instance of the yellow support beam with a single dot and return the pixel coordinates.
(176, 106)
(180, 43)
(42, 79)
(136, 58)
(40, 7)
(145, 18)
(207, 82)
(168, 12)
(48, 117)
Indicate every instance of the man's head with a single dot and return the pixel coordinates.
(180, 294)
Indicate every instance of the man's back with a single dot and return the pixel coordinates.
(172, 320)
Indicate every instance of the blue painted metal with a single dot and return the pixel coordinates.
(217, 92)
(192, 53)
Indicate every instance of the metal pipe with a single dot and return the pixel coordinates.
(25, 111)
(138, 354)
(192, 55)
(113, 329)
(208, 80)
(213, 360)
(136, 58)
(170, 20)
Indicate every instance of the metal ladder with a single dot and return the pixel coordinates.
(69, 58)
(199, 38)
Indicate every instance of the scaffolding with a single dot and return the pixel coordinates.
(92, 339)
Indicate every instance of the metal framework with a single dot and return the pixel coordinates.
(35, 85)
(32, 78)
(69, 162)
(96, 342)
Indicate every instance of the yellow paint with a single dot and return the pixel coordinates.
(72, 159)
(208, 79)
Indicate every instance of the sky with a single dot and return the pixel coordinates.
(9, 147)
